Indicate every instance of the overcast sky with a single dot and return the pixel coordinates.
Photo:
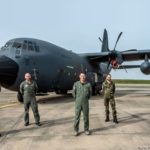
(77, 24)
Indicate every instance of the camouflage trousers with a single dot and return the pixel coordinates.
(113, 106)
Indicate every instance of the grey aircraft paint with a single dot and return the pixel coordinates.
(54, 68)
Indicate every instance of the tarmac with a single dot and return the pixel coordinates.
(57, 118)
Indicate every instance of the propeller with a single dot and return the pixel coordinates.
(117, 40)
(113, 55)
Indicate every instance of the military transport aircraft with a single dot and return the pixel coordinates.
(56, 69)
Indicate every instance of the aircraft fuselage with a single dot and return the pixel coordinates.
(54, 68)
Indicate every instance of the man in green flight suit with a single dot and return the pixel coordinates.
(82, 92)
(108, 88)
(28, 89)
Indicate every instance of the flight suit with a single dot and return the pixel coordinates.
(28, 91)
(81, 93)
(109, 91)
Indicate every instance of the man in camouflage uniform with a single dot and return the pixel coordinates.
(81, 92)
(28, 89)
(108, 89)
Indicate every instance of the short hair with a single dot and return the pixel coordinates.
(28, 74)
(108, 75)
(82, 72)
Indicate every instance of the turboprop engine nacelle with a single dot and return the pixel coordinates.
(145, 67)
(104, 69)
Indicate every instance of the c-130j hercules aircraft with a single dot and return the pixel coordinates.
(56, 69)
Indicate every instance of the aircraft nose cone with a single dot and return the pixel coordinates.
(8, 71)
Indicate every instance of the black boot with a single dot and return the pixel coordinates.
(115, 119)
(107, 118)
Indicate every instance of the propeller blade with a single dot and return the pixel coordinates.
(100, 39)
(125, 69)
(117, 40)
(146, 58)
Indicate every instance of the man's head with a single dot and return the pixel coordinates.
(82, 77)
(28, 76)
(108, 77)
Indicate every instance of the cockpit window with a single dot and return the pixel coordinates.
(31, 46)
(25, 45)
(37, 49)
(8, 44)
(17, 45)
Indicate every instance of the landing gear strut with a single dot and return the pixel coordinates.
(96, 88)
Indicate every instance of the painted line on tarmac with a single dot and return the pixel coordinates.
(9, 105)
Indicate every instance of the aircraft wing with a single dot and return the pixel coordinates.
(129, 55)
(98, 57)
(135, 55)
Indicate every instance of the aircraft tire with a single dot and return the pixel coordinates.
(64, 92)
(57, 91)
(61, 92)
(20, 97)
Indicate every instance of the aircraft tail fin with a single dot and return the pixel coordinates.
(105, 47)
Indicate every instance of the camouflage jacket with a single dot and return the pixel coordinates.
(108, 89)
